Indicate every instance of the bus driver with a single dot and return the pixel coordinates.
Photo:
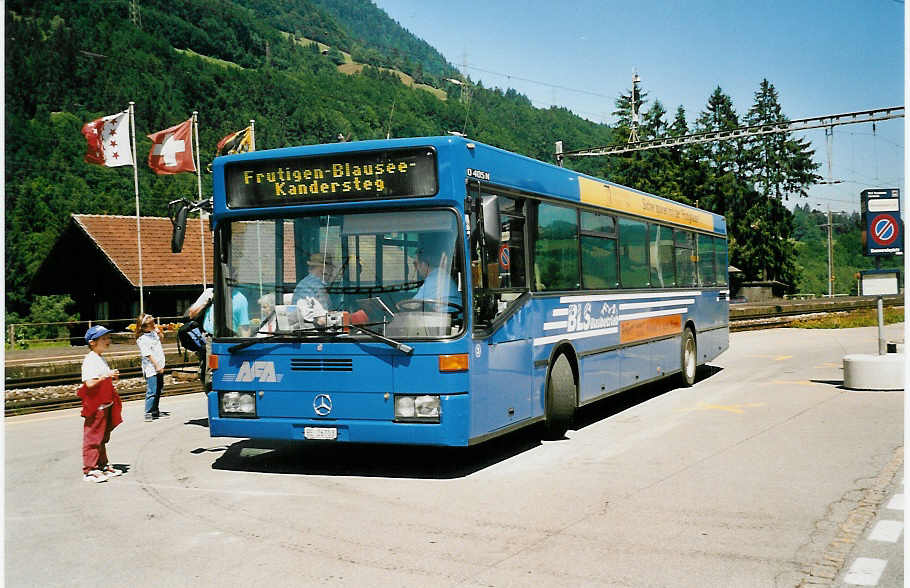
(321, 269)
(431, 266)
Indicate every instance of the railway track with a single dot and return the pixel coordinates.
(74, 378)
(29, 406)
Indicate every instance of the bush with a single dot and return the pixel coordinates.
(45, 309)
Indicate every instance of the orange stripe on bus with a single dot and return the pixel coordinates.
(647, 328)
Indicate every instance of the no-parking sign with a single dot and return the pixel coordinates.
(882, 215)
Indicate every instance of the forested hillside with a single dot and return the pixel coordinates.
(69, 62)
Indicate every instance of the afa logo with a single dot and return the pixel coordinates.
(263, 371)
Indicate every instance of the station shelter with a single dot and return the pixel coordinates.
(95, 260)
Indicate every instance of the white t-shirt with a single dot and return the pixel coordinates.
(94, 366)
(150, 346)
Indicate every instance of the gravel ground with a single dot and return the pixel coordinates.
(68, 391)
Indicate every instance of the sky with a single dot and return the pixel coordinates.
(823, 57)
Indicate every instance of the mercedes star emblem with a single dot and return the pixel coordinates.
(322, 404)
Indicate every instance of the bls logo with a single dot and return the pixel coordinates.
(580, 317)
(264, 371)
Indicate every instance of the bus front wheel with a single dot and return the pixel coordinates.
(688, 358)
(560, 400)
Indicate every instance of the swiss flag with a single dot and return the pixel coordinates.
(172, 150)
(108, 140)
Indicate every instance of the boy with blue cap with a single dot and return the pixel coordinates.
(101, 407)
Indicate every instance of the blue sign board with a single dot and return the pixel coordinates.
(882, 219)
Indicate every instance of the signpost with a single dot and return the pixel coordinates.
(882, 218)
(884, 235)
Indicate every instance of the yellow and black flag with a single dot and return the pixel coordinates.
(238, 142)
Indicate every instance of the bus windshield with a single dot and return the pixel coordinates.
(397, 273)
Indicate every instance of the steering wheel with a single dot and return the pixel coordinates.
(420, 304)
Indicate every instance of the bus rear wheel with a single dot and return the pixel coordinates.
(688, 358)
(560, 400)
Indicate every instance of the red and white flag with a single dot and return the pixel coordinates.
(172, 150)
(109, 140)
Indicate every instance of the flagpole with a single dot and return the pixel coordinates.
(258, 234)
(136, 189)
(199, 184)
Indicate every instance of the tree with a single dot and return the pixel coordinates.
(779, 164)
(719, 115)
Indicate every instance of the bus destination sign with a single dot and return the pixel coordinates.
(402, 173)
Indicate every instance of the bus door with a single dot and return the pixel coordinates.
(501, 347)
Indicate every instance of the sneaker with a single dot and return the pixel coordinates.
(94, 476)
(110, 471)
(148, 417)
(162, 415)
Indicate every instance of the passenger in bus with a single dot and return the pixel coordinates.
(321, 267)
(432, 265)
(268, 321)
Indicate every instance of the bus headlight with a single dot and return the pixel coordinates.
(425, 408)
(238, 404)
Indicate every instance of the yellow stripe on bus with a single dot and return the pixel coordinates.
(621, 199)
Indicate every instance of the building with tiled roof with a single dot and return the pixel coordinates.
(95, 260)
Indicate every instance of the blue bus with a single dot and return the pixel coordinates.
(440, 291)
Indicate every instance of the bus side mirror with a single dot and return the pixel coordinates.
(178, 220)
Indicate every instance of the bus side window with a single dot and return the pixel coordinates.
(706, 273)
(720, 251)
(685, 258)
(498, 265)
(663, 272)
(598, 251)
(556, 248)
(633, 260)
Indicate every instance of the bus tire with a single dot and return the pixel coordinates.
(560, 399)
(688, 358)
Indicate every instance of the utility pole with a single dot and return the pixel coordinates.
(633, 131)
(830, 257)
(830, 227)
(134, 14)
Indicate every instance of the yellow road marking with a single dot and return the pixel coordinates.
(797, 382)
(734, 408)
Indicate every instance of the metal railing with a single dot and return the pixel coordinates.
(25, 334)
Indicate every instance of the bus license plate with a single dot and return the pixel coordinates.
(321, 433)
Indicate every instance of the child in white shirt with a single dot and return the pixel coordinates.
(148, 338)
(101, 407)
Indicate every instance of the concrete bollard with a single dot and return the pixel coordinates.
(874, 372)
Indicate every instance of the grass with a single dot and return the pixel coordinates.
(851, 319)
(26, 344)
(214, 60)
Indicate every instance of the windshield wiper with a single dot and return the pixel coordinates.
(298, 333)
(406, 349)
(310, 333)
